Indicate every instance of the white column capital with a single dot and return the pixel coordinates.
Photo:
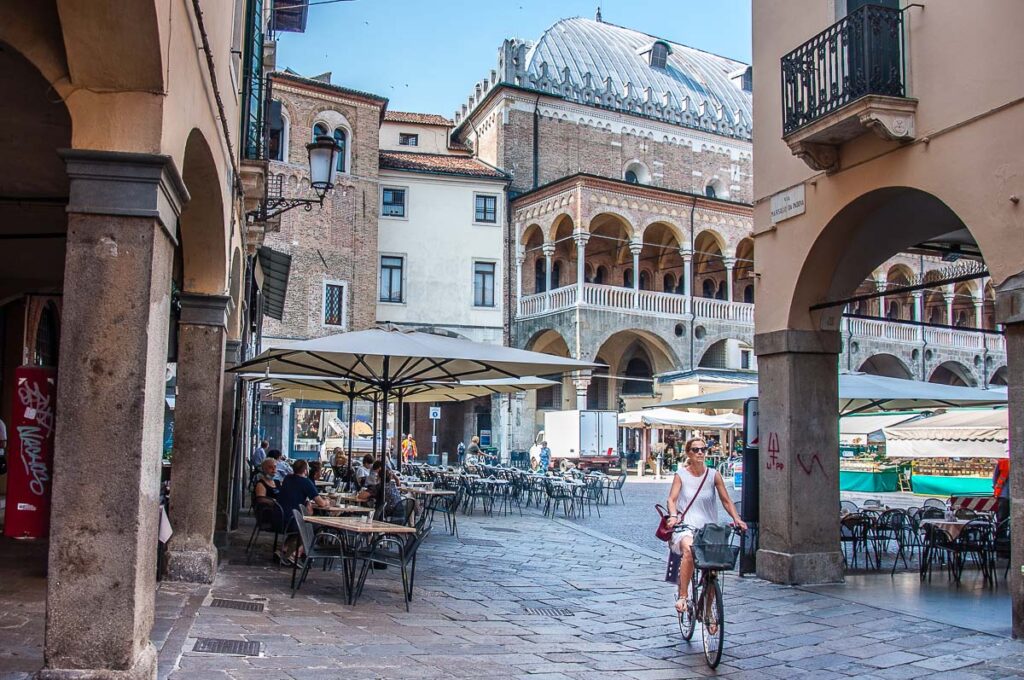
(581, 238)
(729, 262)
(548, 249)
(635, 247)
(686, 253)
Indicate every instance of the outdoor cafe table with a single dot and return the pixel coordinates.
(323, 484)
(348, 525)
(951, 527)
(344, 510)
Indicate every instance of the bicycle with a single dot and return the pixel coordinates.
(710, 556)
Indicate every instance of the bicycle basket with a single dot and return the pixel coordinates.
(712, 548)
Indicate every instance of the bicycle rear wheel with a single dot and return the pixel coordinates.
(712, 622)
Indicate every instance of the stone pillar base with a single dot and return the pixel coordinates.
(144, 668)
(194, 565)
(802, 568)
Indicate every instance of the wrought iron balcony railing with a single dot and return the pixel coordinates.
(862, 54)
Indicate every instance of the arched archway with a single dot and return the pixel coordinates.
(533, 277)
(886, 365)
(1000, 377)
(728, 353)
(743, 271)
(708, 265)
(550, 342)
(608, 248)
(660, 253)
(202, 225)
(952, 373)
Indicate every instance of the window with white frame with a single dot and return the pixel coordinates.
(392, 202)
(659, 55)
(408, 139)
(391, 270)
(483, 284)
(277, 132)
(341, 139)
(335, 303)
(486, 209)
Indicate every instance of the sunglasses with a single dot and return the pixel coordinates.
(698, 448)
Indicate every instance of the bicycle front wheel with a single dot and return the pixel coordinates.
(687, 617)
(713, 622)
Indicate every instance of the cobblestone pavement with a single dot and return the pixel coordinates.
(471, 617)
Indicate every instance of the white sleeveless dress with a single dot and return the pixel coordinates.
(704, 509)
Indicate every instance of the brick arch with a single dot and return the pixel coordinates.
(664, 357)
(953, 372)
(886, 364)
(627, 220)
(678, 231)
(524, 238)
(556, 224)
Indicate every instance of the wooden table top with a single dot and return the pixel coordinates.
(431, 492)
(323, 483)
(345, 510)
(360, 527)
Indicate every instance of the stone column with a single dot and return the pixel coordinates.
(191, 555)
(979, 311)
(520, 259)
(687, 256)
(949, 296)
(581, 381)
(122, 217)
(730, 264)
(549, 251)
(231, 466)
(918, 297)
(882, 311)
(799, 426)
(1010, 313)
(581, 237)
(634, 248)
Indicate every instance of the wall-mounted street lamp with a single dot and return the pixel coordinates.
(323, 167)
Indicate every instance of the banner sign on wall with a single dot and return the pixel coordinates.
(30, 452)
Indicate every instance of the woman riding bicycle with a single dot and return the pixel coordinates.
(693, 492)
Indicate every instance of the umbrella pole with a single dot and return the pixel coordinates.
(385, 388)
(399, 431)
(375, 430)
(351, 409)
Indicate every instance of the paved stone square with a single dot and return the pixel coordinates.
(469, 618)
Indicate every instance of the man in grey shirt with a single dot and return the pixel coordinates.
(258, 454)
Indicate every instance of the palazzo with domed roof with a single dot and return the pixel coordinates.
(630, 223)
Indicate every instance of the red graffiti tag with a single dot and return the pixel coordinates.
(808, 467)
(774, 462)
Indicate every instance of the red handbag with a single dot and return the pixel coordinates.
(664, 531)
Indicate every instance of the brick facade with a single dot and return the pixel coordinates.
(336, 243)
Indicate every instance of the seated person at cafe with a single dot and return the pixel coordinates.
(266, 487)
(534, 464)
(316, 471)
(297, 491)
(391, 495)
(363, 472)
(283, 468)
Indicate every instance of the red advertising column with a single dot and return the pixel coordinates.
(30, 452)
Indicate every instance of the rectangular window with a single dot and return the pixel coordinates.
(391, 278)
(745, 358)
(487, 209)
(334, 304)
(406, 139)
(483, 284)
(393, 203)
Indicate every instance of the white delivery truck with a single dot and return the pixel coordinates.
(587, 438)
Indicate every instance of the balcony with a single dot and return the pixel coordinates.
(846, 81)
(647, 302)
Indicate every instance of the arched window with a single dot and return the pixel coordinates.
(722, 290)
(277, 133)
(748, 294)
(708, 288)
(319, 130)
(556, 274)
(715, 189)
(342, 139)
(636, 172)
(539, 278)
(600, 275)
(668, 283)
(627, 278)
(709, 191)
(645, 281)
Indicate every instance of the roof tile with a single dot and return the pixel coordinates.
(417, 118)
(435, 163)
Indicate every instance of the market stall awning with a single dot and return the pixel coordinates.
(667, 417)
(961, 434)
(860, 392)
(862, 429)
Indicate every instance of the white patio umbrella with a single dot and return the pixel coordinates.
(389, 359)
(669, 417)
(860, 392)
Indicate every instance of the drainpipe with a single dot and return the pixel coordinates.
(693, 270)
(536, 142)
